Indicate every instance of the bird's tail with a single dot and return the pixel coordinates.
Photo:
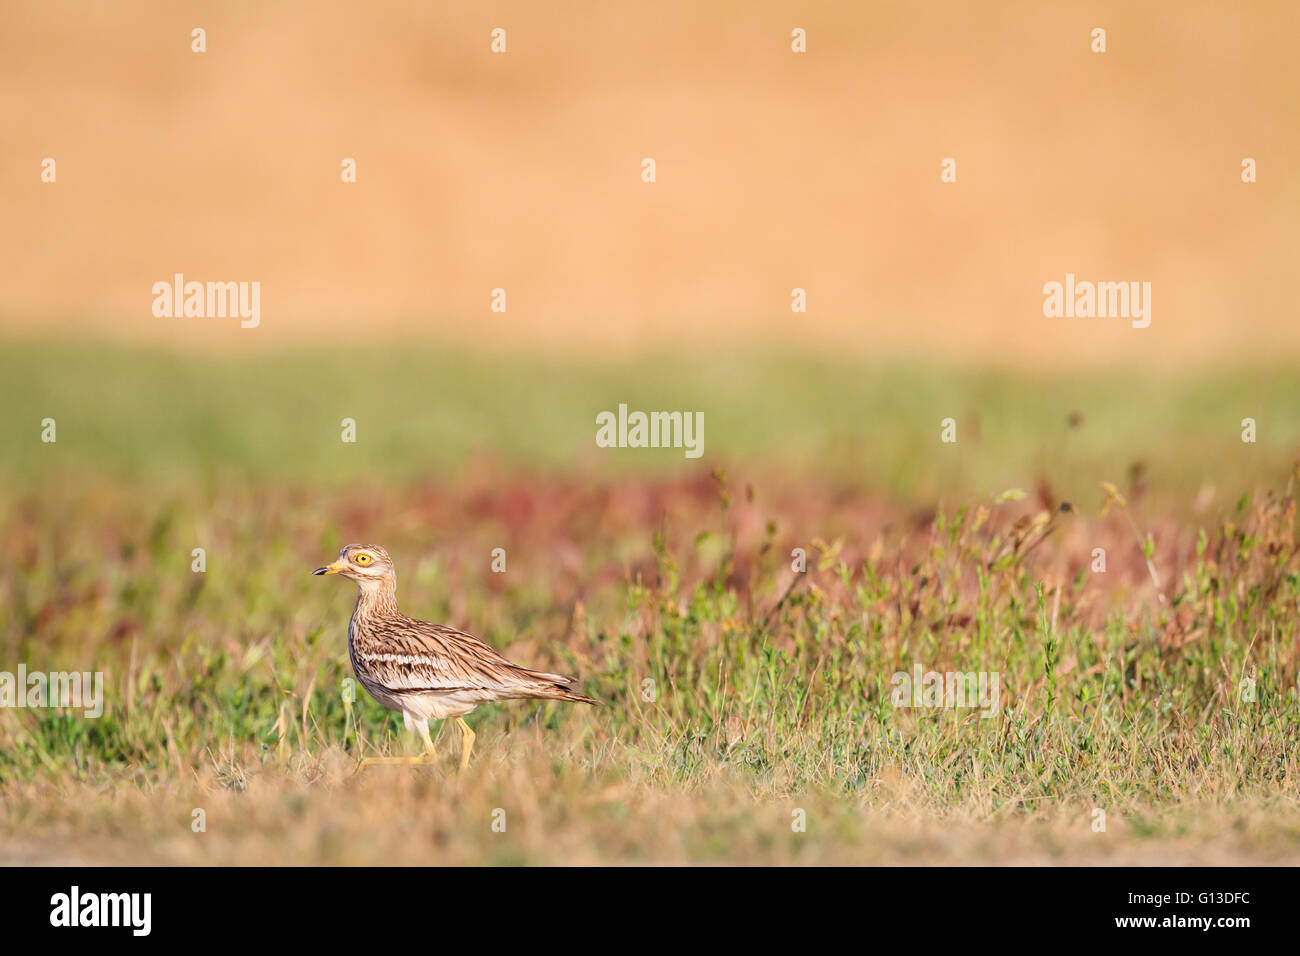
(561, 688)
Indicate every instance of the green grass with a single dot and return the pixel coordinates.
(225, 689)
(735, 692)
(164, 417)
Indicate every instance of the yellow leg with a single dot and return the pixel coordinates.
(394, 762)
(466, 742)
(427, 757)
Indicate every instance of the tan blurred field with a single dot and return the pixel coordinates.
(775, 171)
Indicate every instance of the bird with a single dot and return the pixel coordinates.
(427, 671)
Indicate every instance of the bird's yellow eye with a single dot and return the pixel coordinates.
(363, 558)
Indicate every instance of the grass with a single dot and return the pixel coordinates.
(737, 692)
(167, 418)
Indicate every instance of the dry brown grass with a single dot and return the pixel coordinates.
(317, 812)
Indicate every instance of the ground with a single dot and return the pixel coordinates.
(1147, 713)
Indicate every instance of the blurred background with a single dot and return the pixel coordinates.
(775, 170)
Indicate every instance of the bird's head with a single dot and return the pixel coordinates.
(363, 563)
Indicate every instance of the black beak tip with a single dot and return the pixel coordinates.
(319, 571)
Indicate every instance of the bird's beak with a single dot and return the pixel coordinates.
(333, 568)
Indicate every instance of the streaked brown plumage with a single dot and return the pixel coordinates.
(427, 671)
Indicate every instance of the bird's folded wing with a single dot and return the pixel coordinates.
(431, 657)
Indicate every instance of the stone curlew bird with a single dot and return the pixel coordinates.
(427, 671)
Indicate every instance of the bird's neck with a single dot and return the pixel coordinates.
(376, 599)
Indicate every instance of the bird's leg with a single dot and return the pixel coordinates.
(395, 761)
(427, 757)
(466, 742)
(389, 761)
(428, 741)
